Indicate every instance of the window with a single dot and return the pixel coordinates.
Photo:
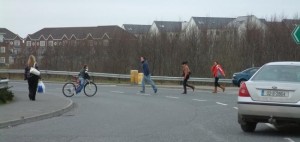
(2, 50)
(90, 42)
(37, 43)
(2, 59)
(50, 43)
(17, 42)
(28, 43)
(33, 43)
(105, 42)
(11, 43)
(11, 60)
(42, 43)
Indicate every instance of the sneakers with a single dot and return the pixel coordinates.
(142, 91)
(155, 91)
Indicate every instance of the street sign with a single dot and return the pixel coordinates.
(296, 34)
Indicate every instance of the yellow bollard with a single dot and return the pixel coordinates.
(134, 76)
(140, 78)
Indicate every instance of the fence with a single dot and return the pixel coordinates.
(116, 76)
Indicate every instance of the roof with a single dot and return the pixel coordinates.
(211, 22)
(284, 63)
(291, 23)
(136, 29)
(168, 26)
(80, 32)
(241, 19)
(8, 35)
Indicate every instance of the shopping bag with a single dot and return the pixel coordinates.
(41, 87)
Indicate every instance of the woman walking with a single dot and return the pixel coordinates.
(217, 72)
(186, 75)
(31, 77)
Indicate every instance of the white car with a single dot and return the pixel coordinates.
(271, 95)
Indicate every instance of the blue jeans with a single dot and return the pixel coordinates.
(147, 78)
(81, 83)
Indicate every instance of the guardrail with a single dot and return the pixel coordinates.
(117, 76)
(3, 83)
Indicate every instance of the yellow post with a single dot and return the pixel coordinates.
(134, 76)
(140, 77)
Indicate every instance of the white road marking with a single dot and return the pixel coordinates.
(235, 108)
(199, 100)
(144, 94)
(172, 97)
(289, 139)
(119, 92)
(221, 104)
(271, 126)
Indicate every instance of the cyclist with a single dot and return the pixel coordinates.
(82, 76)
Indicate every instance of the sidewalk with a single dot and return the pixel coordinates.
(22, 110)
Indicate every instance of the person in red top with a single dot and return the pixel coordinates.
(217, 72)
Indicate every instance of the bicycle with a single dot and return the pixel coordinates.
(89, 88)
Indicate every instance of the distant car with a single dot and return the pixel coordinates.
(271, 95)
(240, 77)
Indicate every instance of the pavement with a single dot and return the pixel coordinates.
(21, 110)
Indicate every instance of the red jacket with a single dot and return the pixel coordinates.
(215, 69)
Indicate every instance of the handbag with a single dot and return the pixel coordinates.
(219, 74)
(41, 87)
(34, 71)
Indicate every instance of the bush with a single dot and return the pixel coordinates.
(5, 95)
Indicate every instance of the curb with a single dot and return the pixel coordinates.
(39, 117)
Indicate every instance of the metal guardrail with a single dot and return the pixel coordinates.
(117, 76)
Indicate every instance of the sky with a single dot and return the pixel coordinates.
(25, 17)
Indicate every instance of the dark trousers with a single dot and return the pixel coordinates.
(32, 86)
(185, 84)
(217, 82)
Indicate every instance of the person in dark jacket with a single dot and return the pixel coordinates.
(147, 76)
(31, 78)
(82, 76)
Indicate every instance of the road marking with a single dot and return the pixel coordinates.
(235, 108)
(144, 94)
(172, 97)
(289, 139)
(199, 100)
(119, 92)
(271, 126)
(221, 104)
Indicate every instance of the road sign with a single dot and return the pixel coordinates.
(296, 34)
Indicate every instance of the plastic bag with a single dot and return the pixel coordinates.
(41, 87)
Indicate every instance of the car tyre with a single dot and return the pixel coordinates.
(248, 126)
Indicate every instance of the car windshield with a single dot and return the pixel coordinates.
(286, 73)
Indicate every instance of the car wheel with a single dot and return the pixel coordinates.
(241, 82)
(248, 126)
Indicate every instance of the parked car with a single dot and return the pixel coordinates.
(271, 95)
(240, 77)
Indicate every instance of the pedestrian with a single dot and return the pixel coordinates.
(146, 76)
(186, 72)
(82, 76)
(217, 72)
(32, 75)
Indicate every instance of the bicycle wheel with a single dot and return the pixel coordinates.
(69, 89)
(90, 89)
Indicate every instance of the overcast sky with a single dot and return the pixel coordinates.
(25, 17)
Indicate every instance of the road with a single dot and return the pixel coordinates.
(121, 114)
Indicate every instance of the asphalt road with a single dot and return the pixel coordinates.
(121, 114)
